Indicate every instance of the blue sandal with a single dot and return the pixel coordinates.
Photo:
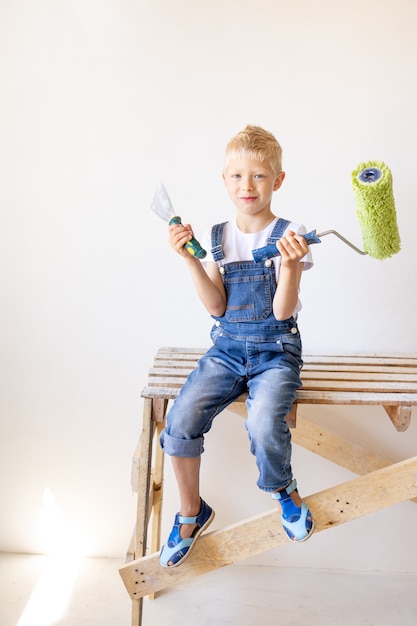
(296, 521)
(177, 549)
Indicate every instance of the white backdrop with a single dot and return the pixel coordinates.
(101, 99)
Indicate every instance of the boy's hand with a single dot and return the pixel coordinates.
(179, 235)
(293, 248)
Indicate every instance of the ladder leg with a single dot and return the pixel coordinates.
(157, 495)
(142, 513)
(137, 608)
(149, 488)
(145, 462)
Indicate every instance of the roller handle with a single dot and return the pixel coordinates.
(192, 246)
(268, 252)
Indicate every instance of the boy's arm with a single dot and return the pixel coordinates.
(293, 248)
(207, 282)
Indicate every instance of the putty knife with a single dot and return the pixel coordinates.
(162, 206)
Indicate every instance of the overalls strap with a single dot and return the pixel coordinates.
(216, 241)
(278, 230)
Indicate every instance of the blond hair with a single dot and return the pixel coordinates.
(254, 142)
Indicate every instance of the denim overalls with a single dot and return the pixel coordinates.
(252, 352)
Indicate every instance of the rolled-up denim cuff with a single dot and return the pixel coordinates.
(181, 447)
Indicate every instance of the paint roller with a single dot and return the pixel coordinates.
(372, 188)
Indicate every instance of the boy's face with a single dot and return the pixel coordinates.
(250, 184)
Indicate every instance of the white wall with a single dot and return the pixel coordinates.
(100, 99)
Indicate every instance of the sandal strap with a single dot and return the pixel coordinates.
(187, 520)
(277, 495)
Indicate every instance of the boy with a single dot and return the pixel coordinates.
(256, 342)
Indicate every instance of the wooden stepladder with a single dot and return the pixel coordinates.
(388, 381)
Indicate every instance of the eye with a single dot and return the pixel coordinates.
(235, 175)
(259, 176)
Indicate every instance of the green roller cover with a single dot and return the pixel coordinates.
(372, 187)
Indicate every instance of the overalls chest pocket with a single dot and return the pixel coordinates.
(250, 292)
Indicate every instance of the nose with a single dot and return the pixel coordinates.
(246, 183)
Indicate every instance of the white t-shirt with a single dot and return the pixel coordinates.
(238, 246)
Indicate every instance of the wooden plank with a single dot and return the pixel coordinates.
(402, 360)
(185, 359)
(174, 372)
(312, 384)
(326, 444)
(159, 407)
(308, 371)
(142, 512)
(305, 396)
(177, 350)
(340, 451)
(353, 375)
(160, 375)
(137, 612)
(239, 541)
(157, 495)
(349, 397)
(144, 478)
(337, 367)
(175, 364)
(339, 379)
(166, 381)
(178, 357)
(130, 552)
(160, 392)
(329, 446)
(363, 359)
(384, 386)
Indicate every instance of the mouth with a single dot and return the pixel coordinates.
(248, 198)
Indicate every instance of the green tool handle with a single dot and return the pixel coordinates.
(192, 246)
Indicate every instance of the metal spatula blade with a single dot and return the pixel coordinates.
(162, 206)
(161, 203)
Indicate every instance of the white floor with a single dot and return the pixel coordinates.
(241, 595)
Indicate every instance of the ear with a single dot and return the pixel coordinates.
(279, 180)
